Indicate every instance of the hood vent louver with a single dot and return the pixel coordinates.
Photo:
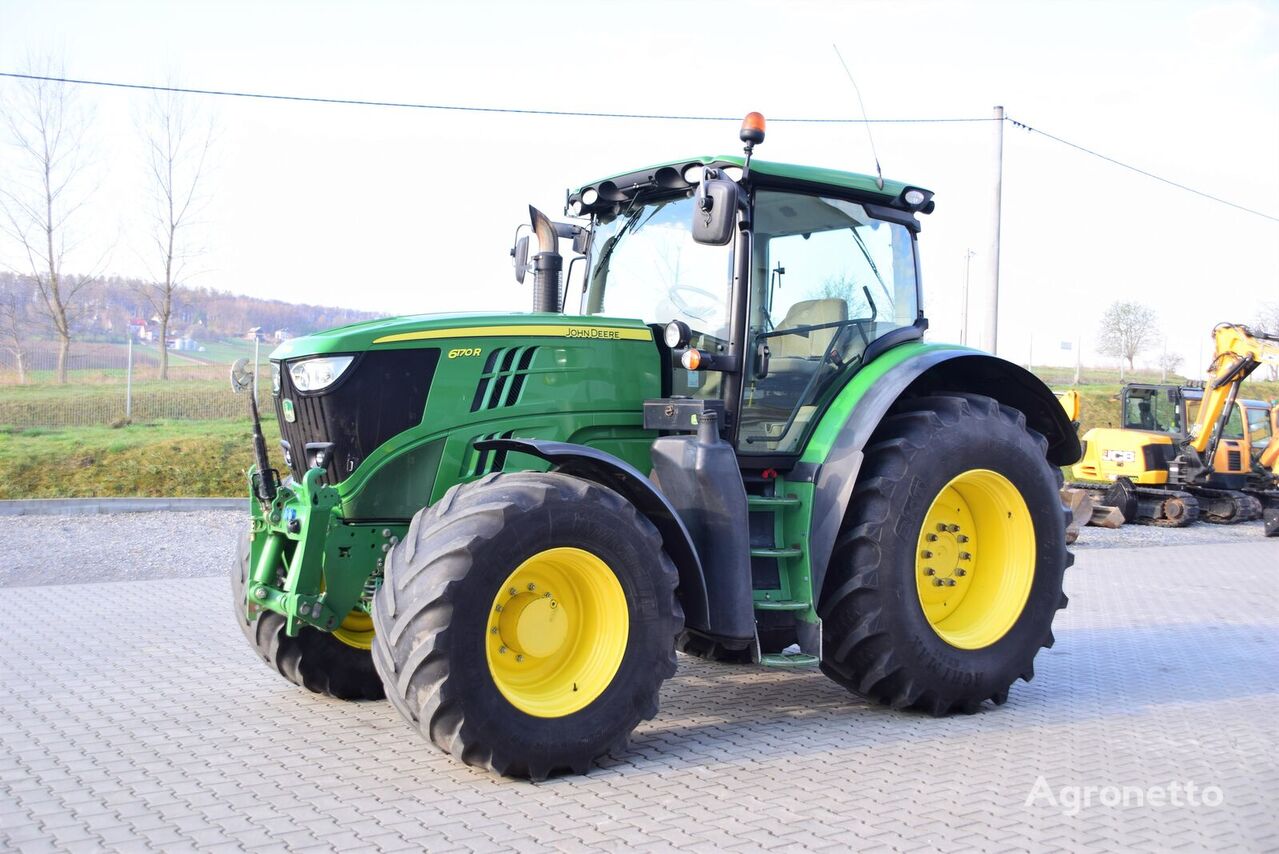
(502, 379)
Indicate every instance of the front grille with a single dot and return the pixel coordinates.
(382, 394)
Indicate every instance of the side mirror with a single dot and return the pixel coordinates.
(519, 258)
(714, 211)
(241, 376)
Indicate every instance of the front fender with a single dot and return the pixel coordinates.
(621, 477)
(834, 456)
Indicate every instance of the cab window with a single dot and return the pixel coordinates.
(827, 280)
(1150, 409)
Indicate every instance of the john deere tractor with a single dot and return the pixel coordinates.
(726, 436)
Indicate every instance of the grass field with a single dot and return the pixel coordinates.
(196, 456)
(157, 458)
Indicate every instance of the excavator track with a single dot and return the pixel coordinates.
(1146, 505)
(1225, 506)
(1269, 500)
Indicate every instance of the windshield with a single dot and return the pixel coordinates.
(644, 264)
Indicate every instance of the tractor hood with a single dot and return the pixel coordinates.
(420, 330)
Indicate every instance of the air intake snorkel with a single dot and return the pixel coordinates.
(547, 263)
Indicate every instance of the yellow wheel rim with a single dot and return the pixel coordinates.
(556, 632)
(976, 559)
(356, 630)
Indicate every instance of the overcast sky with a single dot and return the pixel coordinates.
(404, 211)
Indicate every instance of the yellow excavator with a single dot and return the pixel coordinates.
(1169, 466)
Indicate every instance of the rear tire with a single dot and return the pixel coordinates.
(890, 634)
(465, 663)
(316, 660)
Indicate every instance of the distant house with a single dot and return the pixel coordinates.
(254, 333)
(282, 335)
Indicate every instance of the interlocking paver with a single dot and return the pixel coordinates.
(179, 739)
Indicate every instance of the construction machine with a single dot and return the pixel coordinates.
(1177, 458)
(727, 436)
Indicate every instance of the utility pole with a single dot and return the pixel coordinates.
(1163, 364)
(1079, 346)
(257, 344)
(990, 331)
(128, 380)
(963, 314)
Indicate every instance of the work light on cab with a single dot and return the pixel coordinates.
(676, 334)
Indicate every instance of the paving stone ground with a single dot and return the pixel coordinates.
(134, 717)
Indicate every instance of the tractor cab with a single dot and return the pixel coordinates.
(771, 284)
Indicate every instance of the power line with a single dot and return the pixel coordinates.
(1140, 171)
(458, 108)
(364, 102)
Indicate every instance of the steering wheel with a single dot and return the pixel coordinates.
(681, 303)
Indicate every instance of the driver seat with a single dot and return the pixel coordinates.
(809, 312)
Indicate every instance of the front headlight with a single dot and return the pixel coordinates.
(320, 373)
(275, 378)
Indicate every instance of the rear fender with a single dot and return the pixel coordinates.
(927, 369)
(621, 477)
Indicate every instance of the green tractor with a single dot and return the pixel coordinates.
(728, 438)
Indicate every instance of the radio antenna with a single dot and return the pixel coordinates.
(879, 181)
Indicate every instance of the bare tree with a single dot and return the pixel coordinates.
(178, 138)
(1169, 363)
(41, 198)
(15, 305)
(1127, 328)
(1268, 322)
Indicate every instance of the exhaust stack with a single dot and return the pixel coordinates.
(547, 263)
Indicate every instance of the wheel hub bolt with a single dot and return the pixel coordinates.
(927, 554)
(937, 582)
(965, 556)
(932, 538)
(961, 572)
(532, 587)
(950, 582)
(497, 607)
(260, 593)
(501, 650)
(941, 526)
(963, 538)
(928, 570)
(519, 658)
(952, 528)
(511, 591)
(493, 630)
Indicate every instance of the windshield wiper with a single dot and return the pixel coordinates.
(861, 244)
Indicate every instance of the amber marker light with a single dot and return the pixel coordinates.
(691, 360)
(753, 128)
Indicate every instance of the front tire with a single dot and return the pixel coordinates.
(318, 661)
(526, 623)
(948, 572)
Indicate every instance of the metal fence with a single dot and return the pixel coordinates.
(113, 383)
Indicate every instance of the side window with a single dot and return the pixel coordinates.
(1259, 427)
(827, 280)
(1150, 409)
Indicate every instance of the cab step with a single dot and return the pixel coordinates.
(779, 552)
(782, 659)
(771, 502)
(780, 605)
